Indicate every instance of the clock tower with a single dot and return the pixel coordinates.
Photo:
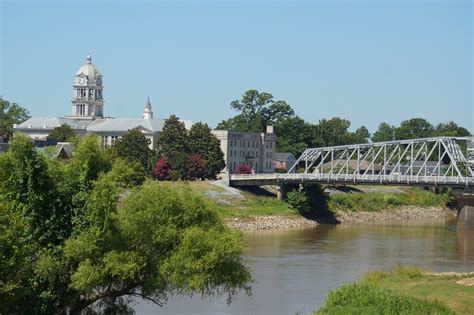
(87, 99)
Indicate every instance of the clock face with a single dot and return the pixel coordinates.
(82, 80)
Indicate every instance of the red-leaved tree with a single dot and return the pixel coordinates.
(162, 169)
(243, 169)
(196, 166)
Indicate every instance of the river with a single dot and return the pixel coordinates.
(293, 270)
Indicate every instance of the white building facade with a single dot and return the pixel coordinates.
(255, 149)
(87, 114)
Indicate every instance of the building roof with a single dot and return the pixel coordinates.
(53, 122)
(98, 125)
(283, 156)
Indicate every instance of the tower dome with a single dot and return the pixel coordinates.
(89, 70)
(87, 100)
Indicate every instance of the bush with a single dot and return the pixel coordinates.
(366, 298)
(162, 169)
(196, 167)
(243, 169)
(299, 201)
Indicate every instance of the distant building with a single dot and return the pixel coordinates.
(254, 149)
(284, 161)
(87, 115)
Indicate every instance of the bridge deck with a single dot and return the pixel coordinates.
(350, 179)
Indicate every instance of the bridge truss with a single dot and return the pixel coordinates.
(430, 161)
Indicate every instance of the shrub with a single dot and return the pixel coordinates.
(162, 170)
(196, 166)
(299, 201)
(366, 298)
(243, 169)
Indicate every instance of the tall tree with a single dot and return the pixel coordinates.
(203, 142)
(62, 133)
(256, 111)
(294, 135)
(331, 132)
(134, 146)
(414, 128)
(172, 138)
(384, 132)
(10, 114)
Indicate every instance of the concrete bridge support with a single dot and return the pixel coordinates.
(465, 211)
(281, 191)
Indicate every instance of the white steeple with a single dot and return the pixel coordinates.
(148, 113)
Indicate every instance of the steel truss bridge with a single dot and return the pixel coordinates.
(438, 161)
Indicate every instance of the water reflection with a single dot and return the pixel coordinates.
(295, 269)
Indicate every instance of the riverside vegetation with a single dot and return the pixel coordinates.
(404, 290)
(87, 234)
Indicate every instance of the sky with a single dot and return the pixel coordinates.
(366, 61)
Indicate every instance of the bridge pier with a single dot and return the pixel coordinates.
(281, 191)
(465, 204)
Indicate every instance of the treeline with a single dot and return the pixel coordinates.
(257, 110)
(178, 153)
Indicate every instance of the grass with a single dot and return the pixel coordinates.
(257, 204)
(250, 205)
(376, 201)
(404, 290)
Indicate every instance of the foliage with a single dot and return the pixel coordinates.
(299, 201)
(256, 111)
(172, 138)
(62, 133)
(366, 298)
(293, 135)
(414, 128)
(162, 170)
(309, 199)
(134, 146)
(10, 114)
(243, 169)
(71, 245)
(451, 129)
(377, 201)
(196, 167)
(384, 132)
(203, 142)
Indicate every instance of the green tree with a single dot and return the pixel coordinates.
(134, 146)
(203, 142)
(256, 111)
(331, 132)
(162, 240)
(414, 128)
(294, 135)
(62, 133)
(384, 132)
(10, 113)
(173, 138)
(451, 129)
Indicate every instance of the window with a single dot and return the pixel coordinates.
(114, 138)
(81, 110)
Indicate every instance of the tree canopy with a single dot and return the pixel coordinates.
(10, 114)
(134, 146)
(81, 231)
(62, 133)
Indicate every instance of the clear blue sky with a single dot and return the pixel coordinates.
(367, 61)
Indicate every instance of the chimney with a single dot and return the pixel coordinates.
(269, 129)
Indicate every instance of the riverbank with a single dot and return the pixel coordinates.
(404, 290)
(258, 209)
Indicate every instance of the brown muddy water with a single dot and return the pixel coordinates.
(294, 270)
